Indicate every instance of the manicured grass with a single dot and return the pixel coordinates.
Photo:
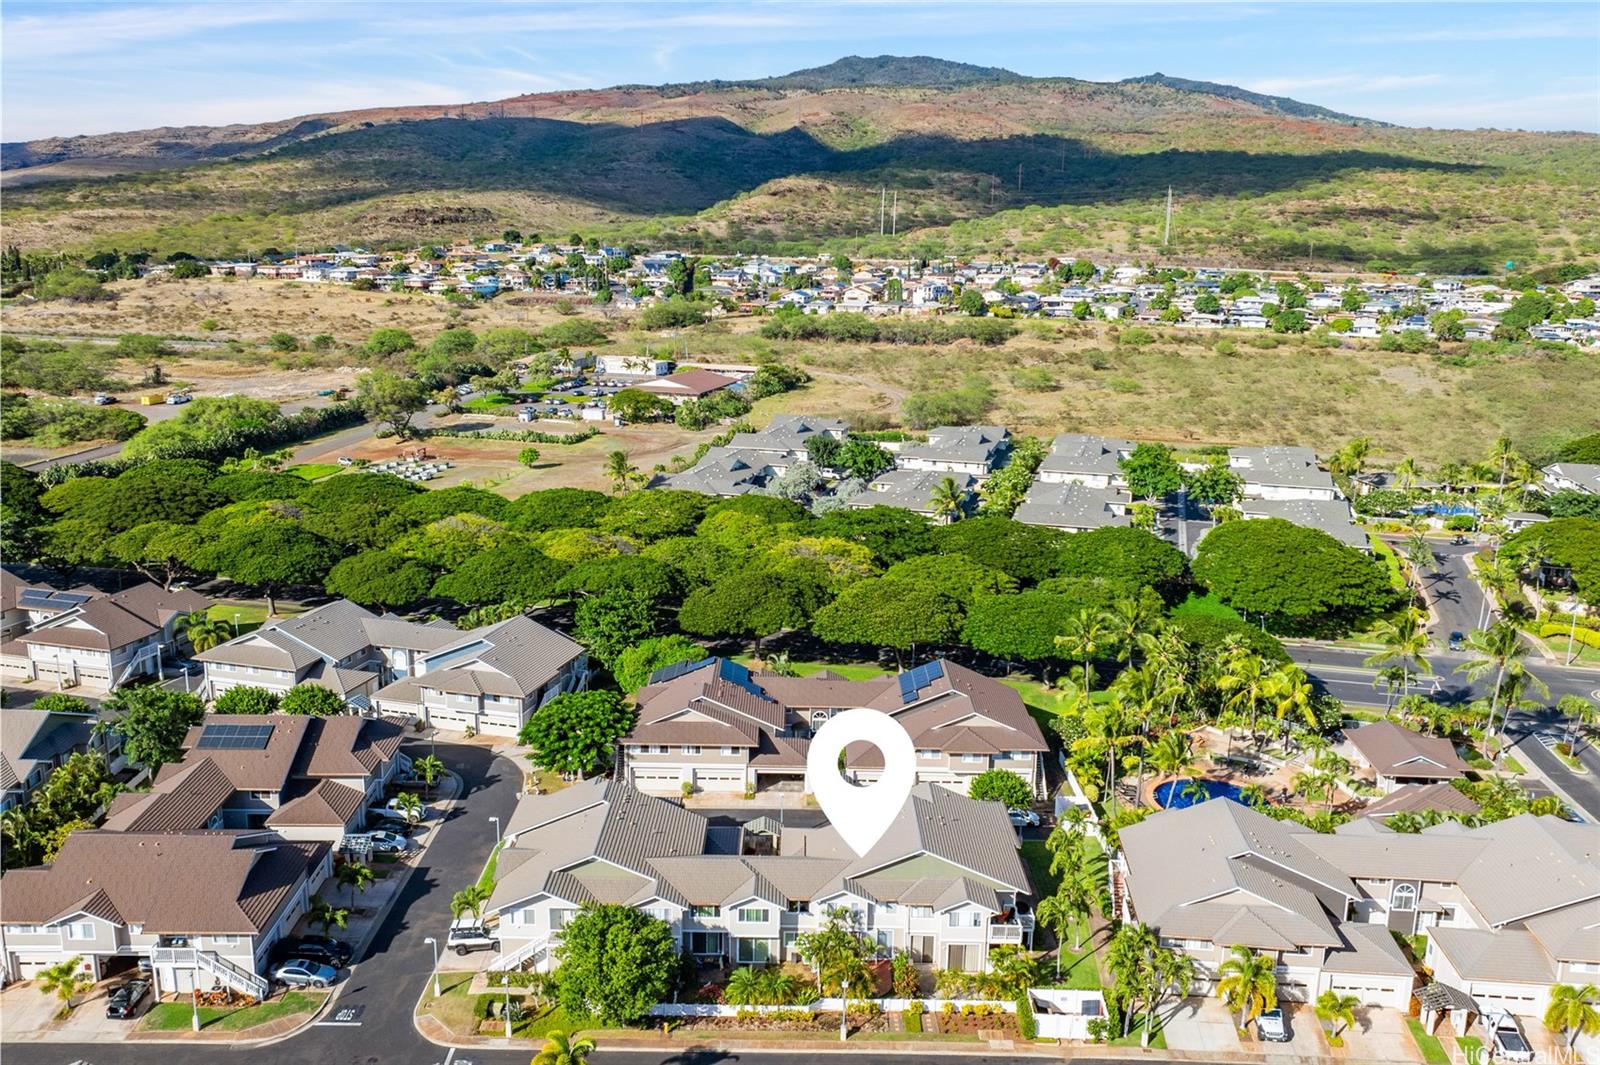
(177, 1016)
(486, 878)
(1471, 1048)
(1432, 1050)
(494, 403)
(1080, 970)
(453, 1009)
(847, 670)
(314, 471)
(552, 1020)
(250, 617)
(1158, 1040)
(1510, 764)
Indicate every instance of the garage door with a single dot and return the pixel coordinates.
(662, 780)
(1522, 1005)
(1368, 993)
(720, 779)
(27, 970)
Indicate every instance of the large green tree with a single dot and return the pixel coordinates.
(1001, 785)
(392, 398)
(753, 602)
(633, 667)
(1127, 558)
(610, 623)
(312, 700)
(1026, 552)
(889, 613)
(509, 573)
(614, 963)
(577, 732)
(272, 556)
(1303, 579)
(153, 722)
(1151, 471)
(379, 578)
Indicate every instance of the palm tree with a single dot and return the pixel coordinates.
(1419, 553)
(204, 631)
(1572, 1010)
(1501, 453)
(620, 470)
(1334, 1007)
(1174, 972)
(20, 835)
(1500, 650)
(1173, 754)
(326, 915)
(1290, 692)
(429, 768)
(355, 876)
(1582, 715)
(743, 987)
(1246, 682)
(1194, 789)
(1129, 618)
(1012, 970)
(1500, 575)
(1086, 635)
(66, 980)
(470, 900)
(562, 1049)
(1108, 724)
(1082, 870)
(1404, 640)
(1248, 983)
(947, 499)
(1055, 914)
(1407, 473)
(410, 806)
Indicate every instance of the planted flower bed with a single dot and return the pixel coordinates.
(796, 1020)
(970, 1020)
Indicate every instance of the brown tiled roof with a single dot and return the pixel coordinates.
(348, 746)
(263, 769)
(1416, 798)
(121, 619)
(328, 803)
(184, 798)
(171, 883)
(1398, 752)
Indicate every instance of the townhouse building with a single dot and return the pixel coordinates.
(204, 908)
(752, 460)
(717, 726)
(487, 679)
(1072, 507)
(945, 882)
(103, 643)
(1572, 477)
(913, 490)
(1281, 472)
(1508, 909)
(302, 778)
(25, 606)
(1399, 756)
(1092, 461)
(34, 743)
(972, 449)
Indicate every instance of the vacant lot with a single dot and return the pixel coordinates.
(1183, 387)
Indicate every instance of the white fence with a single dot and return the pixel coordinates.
(1065, 1014)
(1074, 796)
(829, 1005)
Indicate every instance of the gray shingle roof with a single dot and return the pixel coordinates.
(1079, 453)
(1069, 505)
(909, 489)
(1509, 955)
(1416, 798)
(1331, 516)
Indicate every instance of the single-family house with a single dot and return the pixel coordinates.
(1092, 461)
(686, 385)
(1572, 477)
(1398, 756)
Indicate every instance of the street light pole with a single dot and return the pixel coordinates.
(434, 943)
(496, 821)
(844, 1007)
(506, 980)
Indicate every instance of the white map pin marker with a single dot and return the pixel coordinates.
(861, 815)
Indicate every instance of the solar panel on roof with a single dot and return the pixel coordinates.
(38, 597)
(913, 681)
(678, 669)
(235, 737)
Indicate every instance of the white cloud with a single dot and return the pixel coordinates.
(40, 38)
(1544, 111)
(1348, 83)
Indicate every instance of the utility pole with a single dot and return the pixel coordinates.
(894, 215)
(993, 181)
(883, 200)
(1166, 236)
(1019, 177)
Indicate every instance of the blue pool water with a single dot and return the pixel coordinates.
(1173, 796)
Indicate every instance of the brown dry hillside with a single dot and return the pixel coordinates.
(798, 162)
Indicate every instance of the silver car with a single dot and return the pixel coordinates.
(303, 972)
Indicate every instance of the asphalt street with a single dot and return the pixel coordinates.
(1456, 598)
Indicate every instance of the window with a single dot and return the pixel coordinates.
(730, 751)
(1403, 898)
(884, 942)
(659, 748)
(922, 911)
(703, 942)
(1185, 944)
(225, 941)
(797, 906)
(1586, 966)
(754, 951)
(706, 911)
(971, 759)
(955, 918)
(977, 919)
(81, 930)
(753, 914)
(691, 748)
(636, 748)
(887, 907)
(136, 929)
(559, 919)
(927, 754)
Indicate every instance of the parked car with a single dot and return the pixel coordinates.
(388, 842)
(123, 1003)
(463, 390)
(346, 460)
(1459, 541)
(390, 809)
(1507, 1041)
(1023, 819)
(303, 972)
(323, 949)
(103, 398)
(468, 934)
(1273, 1026)
(1457, 640)
(178, 397)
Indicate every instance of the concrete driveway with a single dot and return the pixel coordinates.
(1202, 1024)
(1380, 1035)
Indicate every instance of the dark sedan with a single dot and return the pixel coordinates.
(123, 1003)
(324, 949)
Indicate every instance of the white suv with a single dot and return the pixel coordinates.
(468, 934)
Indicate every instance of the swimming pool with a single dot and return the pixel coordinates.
(1173, 795)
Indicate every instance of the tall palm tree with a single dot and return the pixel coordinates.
(1502, 454)
(1289, 691)
(429, 768)
(1086, 634)
(1501, 576)
(1128, 618)
(1334, 1007)
(1572, 1010)
(1173, 754)
(1174, 972)
(1083, 885)
(562, 1049)
(1407, 473)
(1404, 640)
(620, 470)
(1582, 716)
(1109, 725)
(204, 631)
(355, 876)
(1500, 650)
(1248, 983)
(1419, 553)
(1245, 681)
(1055, 913)
(947, 500)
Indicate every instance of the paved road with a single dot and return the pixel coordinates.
(1525, 728)
(1458, 599)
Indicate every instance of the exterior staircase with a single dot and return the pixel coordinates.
(236, 977)
(1121, 903)
(520, 958)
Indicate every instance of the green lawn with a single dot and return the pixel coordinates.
(248, 617)
(176, 1016)
(493, 403)
(314, 471)
(1080, 970)
(1158, 1041)
(847, 670)
(1432, 1050)
(1471, 1048)
(486, 878)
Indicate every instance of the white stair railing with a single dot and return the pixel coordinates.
(235, 976)
(516, 959)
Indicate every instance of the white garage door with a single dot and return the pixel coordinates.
(1522, 1005)
(1369, 992)
(720, 779)
(658, 780)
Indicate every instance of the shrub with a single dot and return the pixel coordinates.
(1027, 1024)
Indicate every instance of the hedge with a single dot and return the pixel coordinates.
(1027, 1024)
(523, 436)
(1587, 637)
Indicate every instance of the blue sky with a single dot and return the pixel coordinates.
(97, 67)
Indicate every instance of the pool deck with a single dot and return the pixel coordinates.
(1246, 766)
